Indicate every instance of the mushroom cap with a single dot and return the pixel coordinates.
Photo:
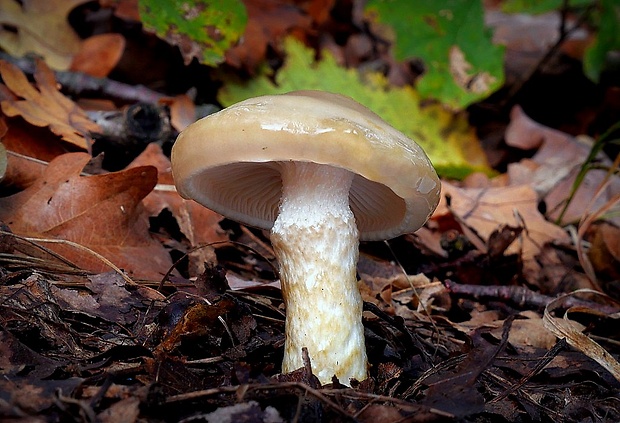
(229, 161)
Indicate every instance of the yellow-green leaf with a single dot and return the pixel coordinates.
(204, 29)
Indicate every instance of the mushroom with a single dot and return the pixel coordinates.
(322, 172)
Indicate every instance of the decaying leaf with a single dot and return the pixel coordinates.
(44, 105)
(449, 38)
(461, 71)
(574, 332)
(552, 170)
(102, 212)
(268, 22)
(41, 27)
(199, 224)
(202, 29)
(99, 54)
(486, 210)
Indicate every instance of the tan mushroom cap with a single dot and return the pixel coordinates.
(228, 161)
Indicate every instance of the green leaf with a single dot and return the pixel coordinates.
(447, 138)
(535, 7)
(607, 40)
(462, 65)
(204, 29)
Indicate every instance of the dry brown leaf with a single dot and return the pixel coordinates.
(574, 334)
(268, 22)
(99, 54)
(182, 111)
(41, 27)
(528, 332)
(604, 251)
(199, 224)
(45, 105)
(552, 170)
(486, 210)
(102, 212)
(29, 148)
(123, 9)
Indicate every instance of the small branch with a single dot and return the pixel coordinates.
(77, 83)
(322, 395)
(520, 296)
(316, 393)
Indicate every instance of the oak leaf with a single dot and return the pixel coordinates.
(41, 27)
(484, 211)
(101, 212)
(30, 148)
(99, 54)
(268, 22)
(44, 105)
(552, 170)
(199, 224)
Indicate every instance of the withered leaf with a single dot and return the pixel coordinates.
(41, 27)
(102, 212)
(486, 210)
(552, 171)
(268, 22)
(99, 54)
(199, 224)
(44, 105)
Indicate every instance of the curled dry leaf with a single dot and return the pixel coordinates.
(573, 332)
(268, 21)
(41, 27)
(45, 105)
(182, 111)
(487, 210)
(551, 172)
(102, 212)
(99, 54)
(199, 224)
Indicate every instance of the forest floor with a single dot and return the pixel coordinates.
(122, 302)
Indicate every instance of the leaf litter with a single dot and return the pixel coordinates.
(45, 105)
(455, 315)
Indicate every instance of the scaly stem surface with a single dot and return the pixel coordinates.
(316, 242)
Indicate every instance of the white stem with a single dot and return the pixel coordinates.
(316, 241)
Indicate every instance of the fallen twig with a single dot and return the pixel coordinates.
(78, 83)
(520, 296)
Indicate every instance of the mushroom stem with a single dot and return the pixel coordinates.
(316, 242)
